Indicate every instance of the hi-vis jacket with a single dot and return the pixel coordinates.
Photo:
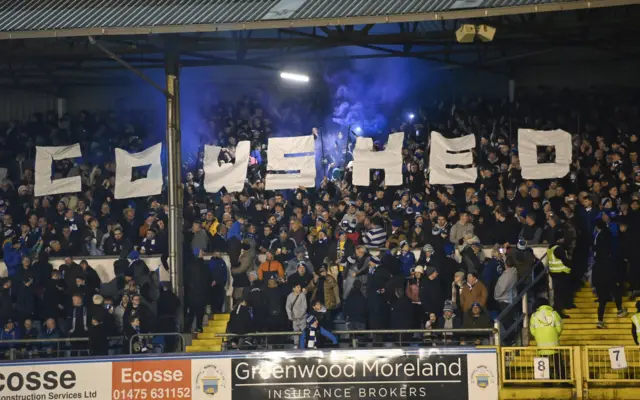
(546, 326)
(556, 265)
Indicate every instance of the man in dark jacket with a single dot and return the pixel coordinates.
(91, 278)
(198, 289)
(70, 271)
(218, 269)
(355, 308)
(240, 322)
(401, 314)
(78, 321)
(431, 295)
(604, 274)
(6, 301)
(98, 338)
(301, 277)
(476, 318)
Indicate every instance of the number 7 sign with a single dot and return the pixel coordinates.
(618, 358)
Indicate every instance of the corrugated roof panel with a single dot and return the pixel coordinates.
(45, 15)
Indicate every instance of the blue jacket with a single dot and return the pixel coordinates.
(235, 231)
(407, 261)
(13, 258)
(218, 269)
(13, 334)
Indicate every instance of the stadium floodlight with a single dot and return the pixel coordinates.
(411, 116)
(358, 130)
(290, 76)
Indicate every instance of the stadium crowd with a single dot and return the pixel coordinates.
(303, 256)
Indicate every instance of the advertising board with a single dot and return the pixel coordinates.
(433, 373)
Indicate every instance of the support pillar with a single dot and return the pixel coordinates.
(512, 90)
(61, 106)
(174, 189)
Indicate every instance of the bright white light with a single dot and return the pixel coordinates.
(411, 116)
(358, 129)
(294, 77)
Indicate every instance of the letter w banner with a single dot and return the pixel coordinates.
(434, 374)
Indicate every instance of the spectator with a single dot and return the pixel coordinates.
(301, 277)
(78, 321)
(98, 339)
(300, 257)
(49, 332)
(458, 284)
(460, 228)
(270, 268)
(355, 308)
(376, 236)
(241, 322)
(239, 273)
(120, 311)
(313, 335)
(219, 273)
(476, 318)
(297, 309)
(324, 288)
(449, 320)
(473, 292)
(198, 289)
(401, 317)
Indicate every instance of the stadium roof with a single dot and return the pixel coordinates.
(21, 19)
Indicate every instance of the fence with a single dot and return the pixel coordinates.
(604, 364)
(593, 372)
(537, 364)
(79, 347)
(516, 315)
(368, 338)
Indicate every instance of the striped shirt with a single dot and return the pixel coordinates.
(375, 237)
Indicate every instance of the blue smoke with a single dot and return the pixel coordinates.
(369, 94)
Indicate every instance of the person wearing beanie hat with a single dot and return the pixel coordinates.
(449, 320)
(396, 236)
(476, 318)
(313, 335)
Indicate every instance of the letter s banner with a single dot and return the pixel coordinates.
(60, 381)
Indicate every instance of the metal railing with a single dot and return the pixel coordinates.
(519, 307)
(537, 364)
(133, 340)
(369, 338)
(51, 348)
(599, 368)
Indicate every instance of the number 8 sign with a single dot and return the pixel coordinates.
(541, 368)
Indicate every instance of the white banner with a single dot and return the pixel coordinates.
(439, 158)
(45, 156)
(37, 380)
(529, 139)
(125, 188)
(228, 175)
(394, 373)
(390, 160)
(305, 165)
